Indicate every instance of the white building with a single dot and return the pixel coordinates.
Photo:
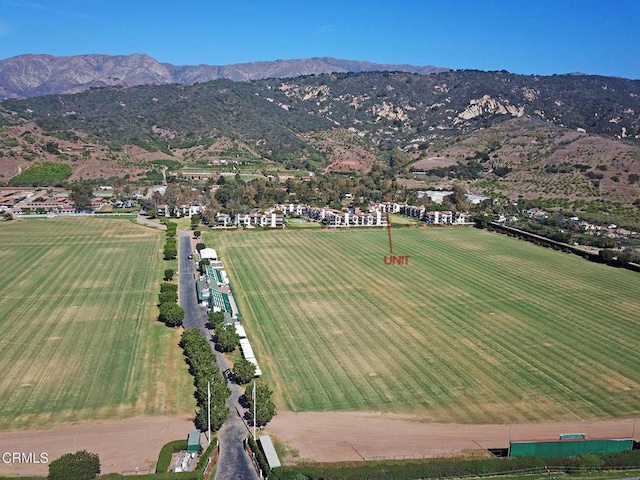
(209, 254)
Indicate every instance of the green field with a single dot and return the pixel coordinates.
(477, 328)
(79, 339)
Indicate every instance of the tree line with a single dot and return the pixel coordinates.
(243, 371)
(203, 368)
(170, 313)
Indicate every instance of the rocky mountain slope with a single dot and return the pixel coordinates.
(35, 75)
(562, 135)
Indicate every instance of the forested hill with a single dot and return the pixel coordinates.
(386, 109)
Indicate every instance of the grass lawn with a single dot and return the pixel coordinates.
(79, 337)
(478, 327)
(402, 221)
(302, 224)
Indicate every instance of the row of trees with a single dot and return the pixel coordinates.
(227, 340)
(225, 333)
(171, 314)
(243, 371)
(202, 366)
(170, 245)
(237, 196)
(616, 258)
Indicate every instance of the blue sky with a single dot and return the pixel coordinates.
(530, 37)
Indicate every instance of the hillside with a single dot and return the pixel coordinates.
(563, 135)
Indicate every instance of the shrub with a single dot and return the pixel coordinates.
(262, 460)
(168, 274)
(215, 320)
(168, 296)
(81, 465)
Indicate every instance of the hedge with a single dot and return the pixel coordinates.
(453, 467)
(164, 458)
(262, 460)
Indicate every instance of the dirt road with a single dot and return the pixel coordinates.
(122, 445)
(353, 436)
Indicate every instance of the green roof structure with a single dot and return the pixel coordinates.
(193, 441)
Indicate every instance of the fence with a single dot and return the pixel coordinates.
(138, 471)
(254, 460)
(425, 456)
(54, 215)
(211, 462)
(549, 471)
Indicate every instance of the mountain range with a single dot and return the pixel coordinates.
(35, 75)
(560, 136)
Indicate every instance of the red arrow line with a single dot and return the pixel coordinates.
(389, 231)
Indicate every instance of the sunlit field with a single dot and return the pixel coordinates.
(478, 327)
(78, 334)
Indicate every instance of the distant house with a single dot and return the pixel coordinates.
(179, 211)
(413, 211)
(224, 220)
(265, 220)
(447, 217)
(439, 218)
(387, 207)
(337, 218)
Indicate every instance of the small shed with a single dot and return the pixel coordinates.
(193, 441)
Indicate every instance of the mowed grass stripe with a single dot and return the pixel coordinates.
(472, 330)
(352, 304)
(359, 313)
(77, 319)
(557, 326)
(353, 350)
(311, 353)
(384, 339)
(34, 313)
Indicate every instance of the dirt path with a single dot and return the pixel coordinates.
(317, 436)
(19, 172)
(122, 445)
(338, 437)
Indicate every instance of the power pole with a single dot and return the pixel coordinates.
(254, 410)
(209, 411)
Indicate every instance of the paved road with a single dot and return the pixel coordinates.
(233, 463)
(195, 315)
